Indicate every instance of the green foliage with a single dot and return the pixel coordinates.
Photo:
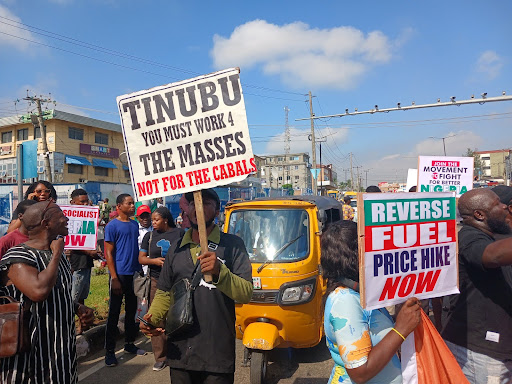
(477, 163)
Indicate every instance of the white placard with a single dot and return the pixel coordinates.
(409, 247)
(187, 136)
(82, 226)
(445, 174)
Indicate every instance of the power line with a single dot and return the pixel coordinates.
(112, 52)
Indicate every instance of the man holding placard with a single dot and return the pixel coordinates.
(479, 327)
(207, 350)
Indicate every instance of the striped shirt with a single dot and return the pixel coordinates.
(52, 356)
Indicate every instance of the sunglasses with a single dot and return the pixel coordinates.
(39, 191)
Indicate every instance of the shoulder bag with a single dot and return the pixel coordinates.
(14, 327)
(181, 313)
(141, 281)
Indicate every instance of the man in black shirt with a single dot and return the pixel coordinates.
(479, 326)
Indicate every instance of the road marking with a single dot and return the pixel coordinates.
(101, 363)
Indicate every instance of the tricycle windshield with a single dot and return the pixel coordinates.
(279, 235)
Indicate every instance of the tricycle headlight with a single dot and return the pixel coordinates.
(297, 292)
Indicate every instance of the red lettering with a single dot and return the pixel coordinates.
(142, 189)
(239, 171)
(253, 164)
(216, 177)
(231, 171)
(179, 181)
(427, 281)
(390, 288)
(206, 178)
(165, 182)
(155, 183)
(407, 285)
(75, 240)
(189, 175)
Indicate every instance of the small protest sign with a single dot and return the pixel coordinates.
(82, 226)
(407, 247)
(187, 136)
(445, 174)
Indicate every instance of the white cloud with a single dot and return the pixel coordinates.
(489, 64)
(390, 157)
(10, 30)
(303, 56)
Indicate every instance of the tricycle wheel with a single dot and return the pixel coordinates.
(259, 362)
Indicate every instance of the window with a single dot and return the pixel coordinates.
(75, 168)
(127, 174)
(486, 158)
(294, 158)
(297, 177)
(37, 133)
(100, 171)
(76, 133)
(288, 177)
(23, 134)
(280, 159)
(296, 167)
(101, 138)
(280, 178)
(280, 168)
(7, 137)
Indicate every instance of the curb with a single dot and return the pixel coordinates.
(93, 340)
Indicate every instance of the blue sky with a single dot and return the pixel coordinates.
(348, 54)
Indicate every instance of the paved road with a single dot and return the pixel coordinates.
(286, 366)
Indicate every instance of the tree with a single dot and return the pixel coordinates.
(477, 163)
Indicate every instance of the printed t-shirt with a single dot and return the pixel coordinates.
(123, 235)
(353, 331)
(161, 242)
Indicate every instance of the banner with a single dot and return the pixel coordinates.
(445, 174)
(187, 136)
(407, 247)
(82, 226)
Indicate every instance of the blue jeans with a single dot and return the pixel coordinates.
(81, 284)
(481, 369)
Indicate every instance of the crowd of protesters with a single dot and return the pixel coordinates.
(35, 270)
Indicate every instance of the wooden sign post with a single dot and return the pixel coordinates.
(201, 224)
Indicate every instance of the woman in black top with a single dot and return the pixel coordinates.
(153, 249)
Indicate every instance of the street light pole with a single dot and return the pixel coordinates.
(442, 138)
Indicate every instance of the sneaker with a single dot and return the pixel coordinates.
(159, 365)
(132, 349)
(110, 359)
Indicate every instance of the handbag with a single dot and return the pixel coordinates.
(14, 327)
(180, 316)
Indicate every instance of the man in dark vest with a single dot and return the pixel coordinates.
(205, 353)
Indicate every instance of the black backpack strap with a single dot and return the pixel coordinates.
(197, 275)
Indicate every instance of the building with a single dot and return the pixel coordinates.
(81, 149)
(328, 178)
(493, 165)
(278, 170)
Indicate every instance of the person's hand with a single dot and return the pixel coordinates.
(57, 246)
(209, 263)
(116, 287)
(409, 316)
(85, 315)
(148, 331)
(32, 196)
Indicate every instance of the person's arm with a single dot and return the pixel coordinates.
(145, 260)
(498, 254)
(32, 283)
(233, 286)
(380, 355)
(111, 264)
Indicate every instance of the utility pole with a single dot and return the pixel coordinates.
(366, 171)
(358, 176)
(351, 173)
(286, 132)
(42, 127)
(313, 143)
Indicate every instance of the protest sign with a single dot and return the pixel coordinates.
(187, 136)
(407, 247)
(445, 174)
(82, 226)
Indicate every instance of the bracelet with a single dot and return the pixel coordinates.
(399, 334)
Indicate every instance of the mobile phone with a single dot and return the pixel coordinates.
(146, 322)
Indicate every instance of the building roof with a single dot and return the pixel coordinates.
(69, 117)
(493, 151)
